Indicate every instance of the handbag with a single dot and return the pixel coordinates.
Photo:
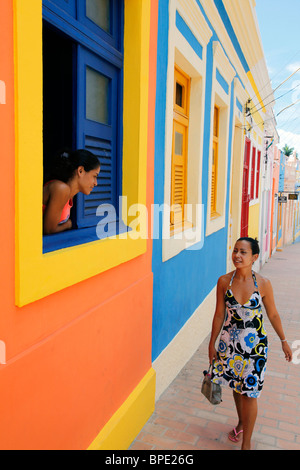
(211, 391)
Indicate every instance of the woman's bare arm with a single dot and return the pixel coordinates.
(218, 319)
(274, 317)
(59, 196)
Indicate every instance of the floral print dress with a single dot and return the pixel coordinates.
(243, 346)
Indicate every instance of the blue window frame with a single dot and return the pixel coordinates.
(96, 136)
(109, 31)
(68, 6)
(96, 57)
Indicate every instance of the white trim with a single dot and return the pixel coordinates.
(224, 65)
(192, 15)
(180, 350)
(182, 54)
(242, 96)
(246, 37)
(244, 22)
(218, 25)
(236, 170)
(220, 98)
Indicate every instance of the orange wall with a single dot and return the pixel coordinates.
(75, 356)
(7, 163)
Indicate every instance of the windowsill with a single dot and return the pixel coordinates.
(252, 202)
(69, 238)
(180, 227)
(215, 215)
(215, 222)
(190, 238)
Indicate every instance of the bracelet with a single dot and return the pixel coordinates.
(283, 340)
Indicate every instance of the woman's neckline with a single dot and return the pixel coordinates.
(254, 292)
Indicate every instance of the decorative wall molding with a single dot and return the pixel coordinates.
(192, 15)
(225, 68)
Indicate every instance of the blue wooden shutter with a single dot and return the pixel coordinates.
(97, 132)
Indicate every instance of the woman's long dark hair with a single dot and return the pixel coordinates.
(66, 163)
(253, 242)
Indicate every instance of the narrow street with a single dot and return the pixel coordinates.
(184, 420)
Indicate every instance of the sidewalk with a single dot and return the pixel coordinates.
(185, 420)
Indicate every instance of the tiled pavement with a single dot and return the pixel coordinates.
(185, 420)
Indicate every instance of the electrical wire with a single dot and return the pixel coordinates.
(289, 106)
(247, 127)
(289, 120)
(287, 79)
(262, 100)
(293, 128)
(275, 99)
(271, 119)
(270, 80)
(284, 109)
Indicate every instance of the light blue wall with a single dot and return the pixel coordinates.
(182, 283)
(281, 173)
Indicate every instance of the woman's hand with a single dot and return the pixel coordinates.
(212, 353)
(287, 351)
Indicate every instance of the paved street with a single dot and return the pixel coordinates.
(184, 419)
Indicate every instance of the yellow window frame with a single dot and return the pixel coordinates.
(179, 162)
(214, 165)
(38, 274)
(183, 80)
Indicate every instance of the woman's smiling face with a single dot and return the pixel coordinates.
(242, 255)
(88, 180)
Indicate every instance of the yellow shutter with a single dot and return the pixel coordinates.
(214, 179)
(179, 148)
(178, 186)
(214, 166)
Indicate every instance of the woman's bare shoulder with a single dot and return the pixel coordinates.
(59, 189)
(57, 184)
(264, 284)
(225, 279)
(56, 192)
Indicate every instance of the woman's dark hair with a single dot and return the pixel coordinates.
(253, 242)
(66, 163)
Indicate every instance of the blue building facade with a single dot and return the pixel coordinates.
(200, 59)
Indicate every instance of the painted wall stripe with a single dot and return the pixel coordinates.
(240, 107)
(227, 23)
(189, 36)
(222, 81)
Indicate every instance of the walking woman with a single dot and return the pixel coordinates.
(240, 361)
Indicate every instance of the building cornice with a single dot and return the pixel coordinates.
(192, 15)
(244, 21)
(218, 25)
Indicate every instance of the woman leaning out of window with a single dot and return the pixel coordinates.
(72, 172)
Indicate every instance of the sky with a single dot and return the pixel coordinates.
(280, 33)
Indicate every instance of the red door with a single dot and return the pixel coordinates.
(245, 192)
